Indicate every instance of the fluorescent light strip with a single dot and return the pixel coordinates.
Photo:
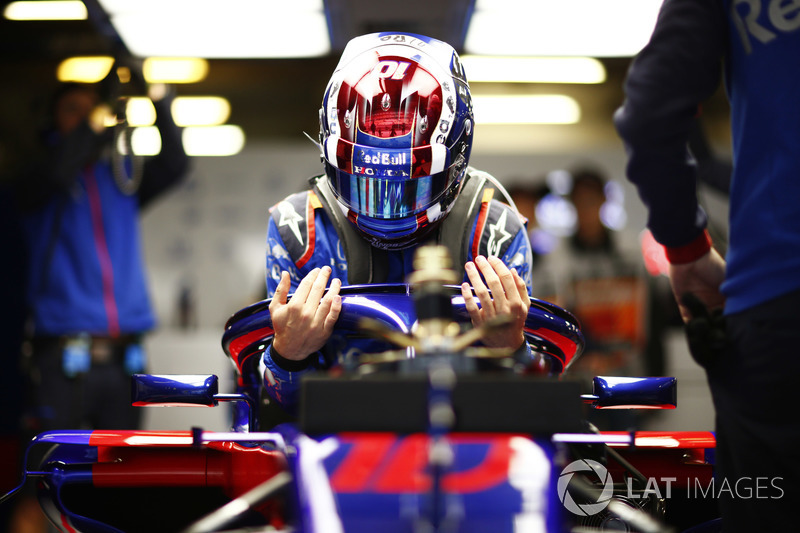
(200, 110)
(510, 69)
(144, 141)
(607, 28)
(526, 109)
(84, 69)
(91, 69)
(211, 29)
(222, 140)
(186, 111)
(174, 69)
(46, 10)
(140, 111)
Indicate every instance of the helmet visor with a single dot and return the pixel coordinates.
(387, 197)
(387, 183)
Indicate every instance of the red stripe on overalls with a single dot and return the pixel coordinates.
(311, 234)
(484, 213)
(106, 269)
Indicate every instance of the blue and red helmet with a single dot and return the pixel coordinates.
(396, 133)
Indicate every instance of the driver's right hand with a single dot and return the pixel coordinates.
(305, 322)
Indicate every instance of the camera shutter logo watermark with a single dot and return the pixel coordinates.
(585, 509)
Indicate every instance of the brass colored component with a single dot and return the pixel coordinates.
(436, 334)
(436, 327)
(380, 331)
(432, 264)
(477, 334)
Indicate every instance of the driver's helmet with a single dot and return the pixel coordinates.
(396, 133)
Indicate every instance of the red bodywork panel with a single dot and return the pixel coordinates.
(167, 459)
(662, 455)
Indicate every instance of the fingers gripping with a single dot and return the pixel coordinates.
(470, 303)
(304, 288)
(481, 291)
(304, 324)
(281, 291)
(503, 285)
(508, 296)
(333, 306)
(522, 287)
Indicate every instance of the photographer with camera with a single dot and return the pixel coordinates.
(87, 306)
(87, 300)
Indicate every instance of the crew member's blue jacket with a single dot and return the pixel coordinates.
(315, 240)
(86, 272)
(90, 278)
(758, 44)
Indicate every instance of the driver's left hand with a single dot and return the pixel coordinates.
(509, 296)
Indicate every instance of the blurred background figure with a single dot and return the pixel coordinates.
(620, 307)
(526, 198)
(87, 304)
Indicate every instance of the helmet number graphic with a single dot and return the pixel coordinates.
(395, 70)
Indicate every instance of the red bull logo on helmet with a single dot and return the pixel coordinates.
(381, 163)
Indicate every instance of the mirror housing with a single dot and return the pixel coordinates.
(633, 393)
(174, 390)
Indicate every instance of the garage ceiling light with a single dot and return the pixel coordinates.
(186, 111)
(85, 69)
(510, 69)
(526, 109)
(175, 69)
(223, 140)
(213, 140)
(213, 29)
(200, 110)
(91, 69)
(144, 141)
(607, 28)
(46, 10)
(139, 111)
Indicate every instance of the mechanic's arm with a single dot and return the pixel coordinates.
(171, 165)
(678, 69)
(57, 169)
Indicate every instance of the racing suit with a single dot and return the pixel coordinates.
(301, 237)
(752, 381)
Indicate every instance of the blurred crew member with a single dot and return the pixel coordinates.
(87, 296)
(752, 374)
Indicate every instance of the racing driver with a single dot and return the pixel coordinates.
(396, 131)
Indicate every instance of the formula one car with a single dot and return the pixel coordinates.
(424, 432)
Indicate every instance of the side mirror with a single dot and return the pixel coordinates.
(633, 393)
(174, 390)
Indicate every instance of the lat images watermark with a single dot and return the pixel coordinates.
(591, 508)
(745, 488)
